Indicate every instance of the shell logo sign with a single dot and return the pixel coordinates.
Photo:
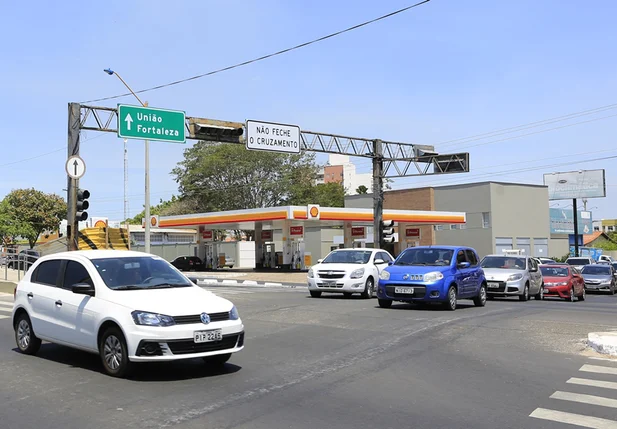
(154, 221)
(313, 211)
(100, 224)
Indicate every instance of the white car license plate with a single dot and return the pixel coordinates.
(405, 290)
(208, 336)
(492, 285)
(329, 283)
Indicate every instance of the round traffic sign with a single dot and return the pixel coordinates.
(75, 167)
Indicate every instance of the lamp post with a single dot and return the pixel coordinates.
(147, 168)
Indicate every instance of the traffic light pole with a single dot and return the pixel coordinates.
(377, 193)
(72, 228)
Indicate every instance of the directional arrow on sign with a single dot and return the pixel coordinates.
(75, 164)
(128, 120)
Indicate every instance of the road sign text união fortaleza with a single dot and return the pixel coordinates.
(147, 123)
(272, 137)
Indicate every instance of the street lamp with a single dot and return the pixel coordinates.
(147, 168)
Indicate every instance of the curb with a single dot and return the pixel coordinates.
(603, 342)
(229, 282)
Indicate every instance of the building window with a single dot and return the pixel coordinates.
(486, 220)
(454, 226)
(462, 226)
(611, 228)
(596, 228)
(438, 227)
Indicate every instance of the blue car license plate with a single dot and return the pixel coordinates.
(404, 290)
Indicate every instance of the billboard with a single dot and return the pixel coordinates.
(562, 221)
(575, 184)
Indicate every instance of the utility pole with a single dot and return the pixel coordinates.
(575, 227)
(377, 192)
(72, 224)
(585, 204)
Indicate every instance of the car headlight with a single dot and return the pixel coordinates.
(515, 277)
(356, 274)
(384, 275)
(433, 277)
(561, 284)
(311, 273)
(606, 282)
(152, 319)
(233, 313)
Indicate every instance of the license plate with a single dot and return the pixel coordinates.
(493, 285)
(208, 336)
(405, 290)
(329, 283)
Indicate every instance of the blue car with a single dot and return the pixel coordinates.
(442, 274)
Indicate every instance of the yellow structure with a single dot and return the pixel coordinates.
(103, 238)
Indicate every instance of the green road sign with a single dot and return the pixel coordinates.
(147, 123)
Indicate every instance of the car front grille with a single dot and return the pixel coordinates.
(331, 274)
(196, 318)
(184, 347)
(418, 291)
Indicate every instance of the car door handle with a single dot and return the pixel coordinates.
(59, 303)
(30, 295)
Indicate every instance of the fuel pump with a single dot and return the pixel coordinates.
(269, 256)
(211, 260)
(297, 259)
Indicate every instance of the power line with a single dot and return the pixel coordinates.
(528, 125)
(254, 60)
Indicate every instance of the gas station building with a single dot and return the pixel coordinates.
(295, 237)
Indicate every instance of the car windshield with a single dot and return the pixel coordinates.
(504, 262)
(578, 261)
(600, 270)
(139, 272)
(554, 271)
(431, 257)
(348, 257)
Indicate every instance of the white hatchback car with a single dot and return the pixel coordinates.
(125, 306)
(348, 271)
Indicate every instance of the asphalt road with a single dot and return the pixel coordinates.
(340, 363)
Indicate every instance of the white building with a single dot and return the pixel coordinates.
(340, 169)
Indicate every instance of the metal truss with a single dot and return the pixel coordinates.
(399, 159)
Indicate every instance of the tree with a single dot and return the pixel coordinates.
(11, 226)
(219, 176)
(361, 190)
(175, 206)
(36, 211)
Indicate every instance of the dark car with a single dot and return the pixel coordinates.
(433, 274)
(599, 277)
(23, 260)
(188, 263)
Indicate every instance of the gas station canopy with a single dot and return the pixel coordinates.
(311, 215)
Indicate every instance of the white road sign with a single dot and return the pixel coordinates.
(272, 137)
(75, 167)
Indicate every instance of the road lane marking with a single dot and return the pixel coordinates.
(6, 304)
(585, 399)
(592, 383)
(599, 369)
(573, 419)
(4, 317)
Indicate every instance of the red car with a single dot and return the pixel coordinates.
(563, 281)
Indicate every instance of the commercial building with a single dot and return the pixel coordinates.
(341, 170)
(605, 225)
(499, 216)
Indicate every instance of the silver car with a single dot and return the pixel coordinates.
(599, 277)
(579, 262)
(513, 275)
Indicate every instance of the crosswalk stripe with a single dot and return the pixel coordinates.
(4, 317)
(599, 369)
(6, 304)
(592, 383)
(585, 399)
(574, 419)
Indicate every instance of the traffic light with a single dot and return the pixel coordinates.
(387, 231)
(81, 205)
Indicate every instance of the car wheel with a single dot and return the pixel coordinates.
(217, 360)
(347, 294)
(114, 353)
(540, 295)
(384, 303)
(315, 293)
(582, 296)
(368, 289)
(451, 302)
(571, 297)
(27, 341)
(480, 300)
(525, 295)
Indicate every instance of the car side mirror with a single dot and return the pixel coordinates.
(390, 263)
(319, 261)
(464, 265)
(83, 289)
(379, 261)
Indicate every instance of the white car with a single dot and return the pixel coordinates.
(125, 306)
(348, 271)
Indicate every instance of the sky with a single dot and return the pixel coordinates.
(435, 75)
